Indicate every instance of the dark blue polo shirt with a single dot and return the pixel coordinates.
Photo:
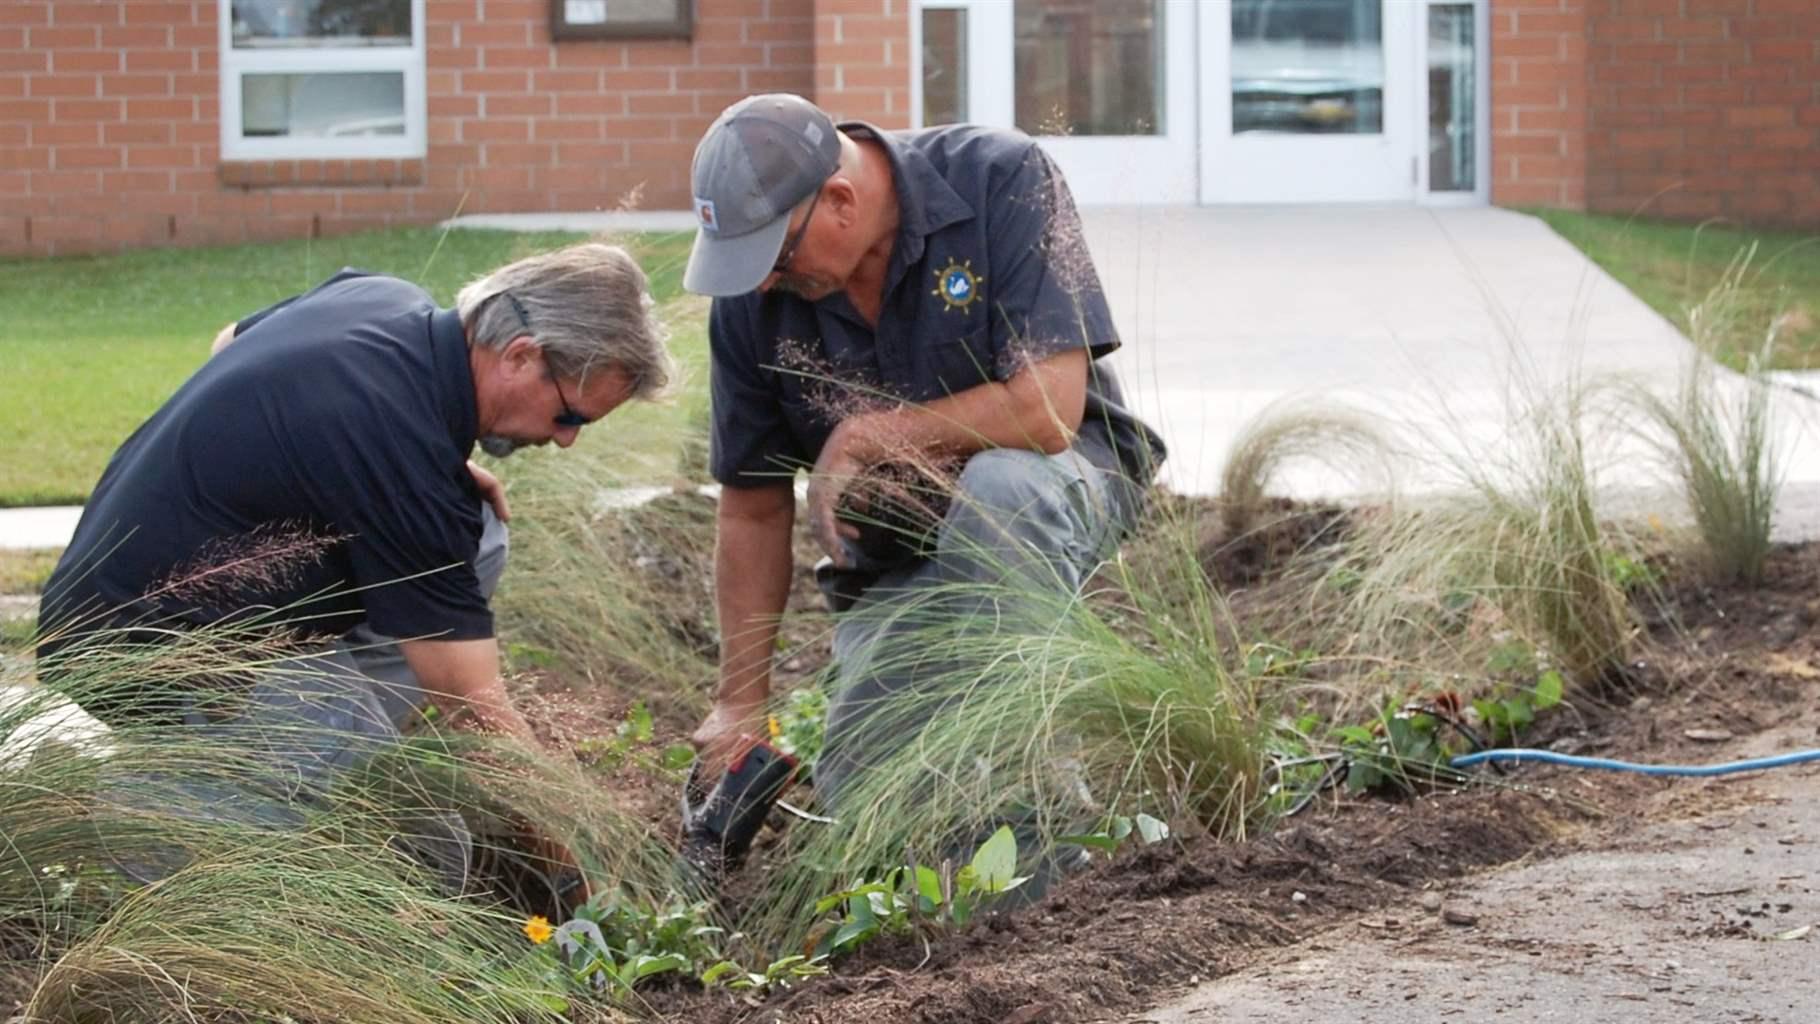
(315, 472)
(989, 271)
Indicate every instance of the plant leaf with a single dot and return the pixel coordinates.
(718, 971)
(996, 860)
(1548, 690)
(1153, 830)
(677, 756)
(1093, 840)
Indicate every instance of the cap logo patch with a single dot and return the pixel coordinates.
(957, 285)
(704, 212)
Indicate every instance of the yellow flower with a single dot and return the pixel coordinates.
(538, 930)
(771, 722)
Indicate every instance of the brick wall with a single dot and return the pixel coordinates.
(109, 132)
(1705, 108)
(862, 60)
(1538, 102)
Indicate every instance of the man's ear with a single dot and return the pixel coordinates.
(842, 199)
(522, 353)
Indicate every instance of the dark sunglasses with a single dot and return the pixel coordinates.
(568, 417)
(782, 266)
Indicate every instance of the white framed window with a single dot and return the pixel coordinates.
(322, 79)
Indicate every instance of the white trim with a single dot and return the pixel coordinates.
(408, 61)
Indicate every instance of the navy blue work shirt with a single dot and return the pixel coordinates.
(989, 272)
(326, 449)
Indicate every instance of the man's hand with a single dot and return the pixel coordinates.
(730, 730)
(492, 490)
(835, 470)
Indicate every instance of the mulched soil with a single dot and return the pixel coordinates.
(1155, 919)
(1119, 937)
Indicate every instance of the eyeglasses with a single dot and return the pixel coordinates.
(568, 417)
(782, 266)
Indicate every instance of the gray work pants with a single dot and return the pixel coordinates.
(305, 722)
(1019, 519)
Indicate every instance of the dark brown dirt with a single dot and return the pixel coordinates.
(1117, 937)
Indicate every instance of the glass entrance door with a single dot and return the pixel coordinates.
(1107, 86)
(1309, 101)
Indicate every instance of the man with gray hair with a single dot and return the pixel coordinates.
(325, 452)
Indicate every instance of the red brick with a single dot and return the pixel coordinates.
(1791, 93)
(146, 12)
(1623, 27)
(590, 104)
(534, 104)
(159, 60)
(1625, 74)
(565, 81)
(637, 80)
(1646, 139)
(641, 128)
(64, 133)
(55, 39)
(663, 54)
(136, 85)
(1762, 72)
(493, 32)
(25, 12)
(129, 182)
(12, 61)
(661, 103)
(494, 82)
(73, 12)
(1782, 49)
(77, 182)
(717, 79)
(584, 130)
(84, 62)
(1693, 28)
(137, 131)
(447, 108)
(1680, 73)
(494, 58)
(1529, 145)
(138, 37)
(140, 157)
(176, 108)
(1790, 139)
(1759, 117)
(496, 131)
(1721, 93)
(1646, 53)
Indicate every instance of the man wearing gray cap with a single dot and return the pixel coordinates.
(914, 306)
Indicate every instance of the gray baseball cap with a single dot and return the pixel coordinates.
(760, 158)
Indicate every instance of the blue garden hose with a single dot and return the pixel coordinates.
(1518, 755)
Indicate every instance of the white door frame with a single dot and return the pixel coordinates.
(1301, 168)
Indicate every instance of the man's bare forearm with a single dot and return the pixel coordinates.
(752, 567)
(1039, 409)
(464, 675)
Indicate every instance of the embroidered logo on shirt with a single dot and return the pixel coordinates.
(957, 285)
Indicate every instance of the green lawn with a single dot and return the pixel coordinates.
(90, 346)
(1673, 267)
